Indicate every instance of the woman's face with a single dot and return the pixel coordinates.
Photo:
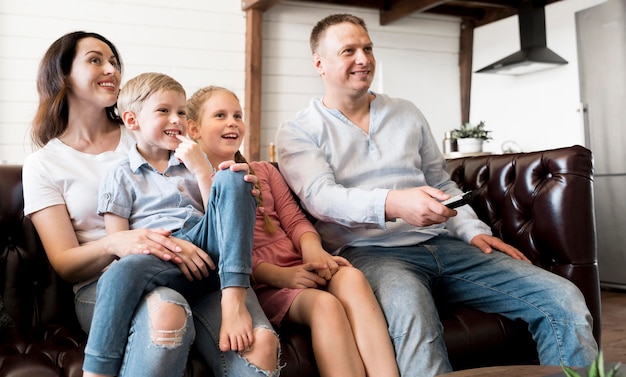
(220, 129)
(94, 79)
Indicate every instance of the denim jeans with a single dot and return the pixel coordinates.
(161, 361)
(404, 279)
(207, 315)
(141, 356)
(225, 232)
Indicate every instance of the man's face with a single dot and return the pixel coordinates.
(345, 58)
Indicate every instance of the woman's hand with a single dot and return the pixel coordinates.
(195, 262)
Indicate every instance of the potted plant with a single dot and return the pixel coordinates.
(596, 369)
(470, 137)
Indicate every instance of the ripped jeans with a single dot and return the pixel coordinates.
(142, 357)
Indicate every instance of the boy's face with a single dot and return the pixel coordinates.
(162, 117)
(220, 129)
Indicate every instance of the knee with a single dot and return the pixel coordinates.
(170, 324)
(265, 351)
(327, 307)
(349, 282)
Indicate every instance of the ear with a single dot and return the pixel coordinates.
(193, 129)
(316, 59)
(130, 120)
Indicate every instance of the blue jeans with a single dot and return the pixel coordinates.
(161, 361)
(207, 315)
(225, 233)
(404, 278)
(141, 356)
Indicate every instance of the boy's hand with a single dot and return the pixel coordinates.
(190, 153)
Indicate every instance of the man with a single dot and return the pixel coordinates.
(367, 166)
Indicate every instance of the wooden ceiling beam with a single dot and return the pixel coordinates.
(262, 5)
(402, 8)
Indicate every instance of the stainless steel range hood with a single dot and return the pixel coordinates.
(534, 54)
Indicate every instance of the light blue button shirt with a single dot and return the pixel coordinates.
(148, 199)
(343, 174)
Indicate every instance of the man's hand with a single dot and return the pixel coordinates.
(419, 206)
(488, 243)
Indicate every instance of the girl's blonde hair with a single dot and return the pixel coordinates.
(194, 112)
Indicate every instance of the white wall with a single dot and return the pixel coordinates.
(196, 42)
(539, 110)
(201, 42)
(417, 58)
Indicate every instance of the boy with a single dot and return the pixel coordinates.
(166, 182)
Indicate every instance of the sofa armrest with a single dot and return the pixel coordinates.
(542, 203)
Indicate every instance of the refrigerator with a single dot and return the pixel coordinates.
(601, 39)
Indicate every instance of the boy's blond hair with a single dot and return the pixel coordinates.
(140, 88)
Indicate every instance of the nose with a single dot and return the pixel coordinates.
(110, 68)
(362, 57)
(232, 122)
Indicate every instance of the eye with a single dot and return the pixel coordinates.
(115, 63)
(369, 49)
(162, 110)
(182, 113)
(95, 60)
(220, 115)
(238, 116)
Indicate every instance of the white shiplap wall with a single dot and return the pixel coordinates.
(196, 42)
(201, 42)
(417, 58)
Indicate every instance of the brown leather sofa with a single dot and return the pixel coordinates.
(541, 202)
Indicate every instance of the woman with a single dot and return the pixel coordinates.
(81, 138)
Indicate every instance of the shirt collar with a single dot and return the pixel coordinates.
(136, 160)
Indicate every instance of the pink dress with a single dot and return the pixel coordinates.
(281, 248)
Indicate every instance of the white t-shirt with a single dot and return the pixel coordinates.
(58, 174)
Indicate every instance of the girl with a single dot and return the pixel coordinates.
(296, 280)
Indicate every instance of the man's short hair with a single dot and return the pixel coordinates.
(320, 28)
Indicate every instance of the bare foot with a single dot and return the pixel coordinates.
(236, 329)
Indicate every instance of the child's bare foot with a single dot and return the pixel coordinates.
(236, 329)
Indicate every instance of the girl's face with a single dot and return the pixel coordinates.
(95, 76)
(220, 129)
(162, 117)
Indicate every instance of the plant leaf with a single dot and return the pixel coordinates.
(569, 372)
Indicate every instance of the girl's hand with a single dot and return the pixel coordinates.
(302, 276)
(242, 166)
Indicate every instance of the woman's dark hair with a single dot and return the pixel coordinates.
(52, 113)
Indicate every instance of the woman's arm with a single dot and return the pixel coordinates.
(75, 263)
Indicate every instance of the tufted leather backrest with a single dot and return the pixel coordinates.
(542, 203)
(33, 294)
